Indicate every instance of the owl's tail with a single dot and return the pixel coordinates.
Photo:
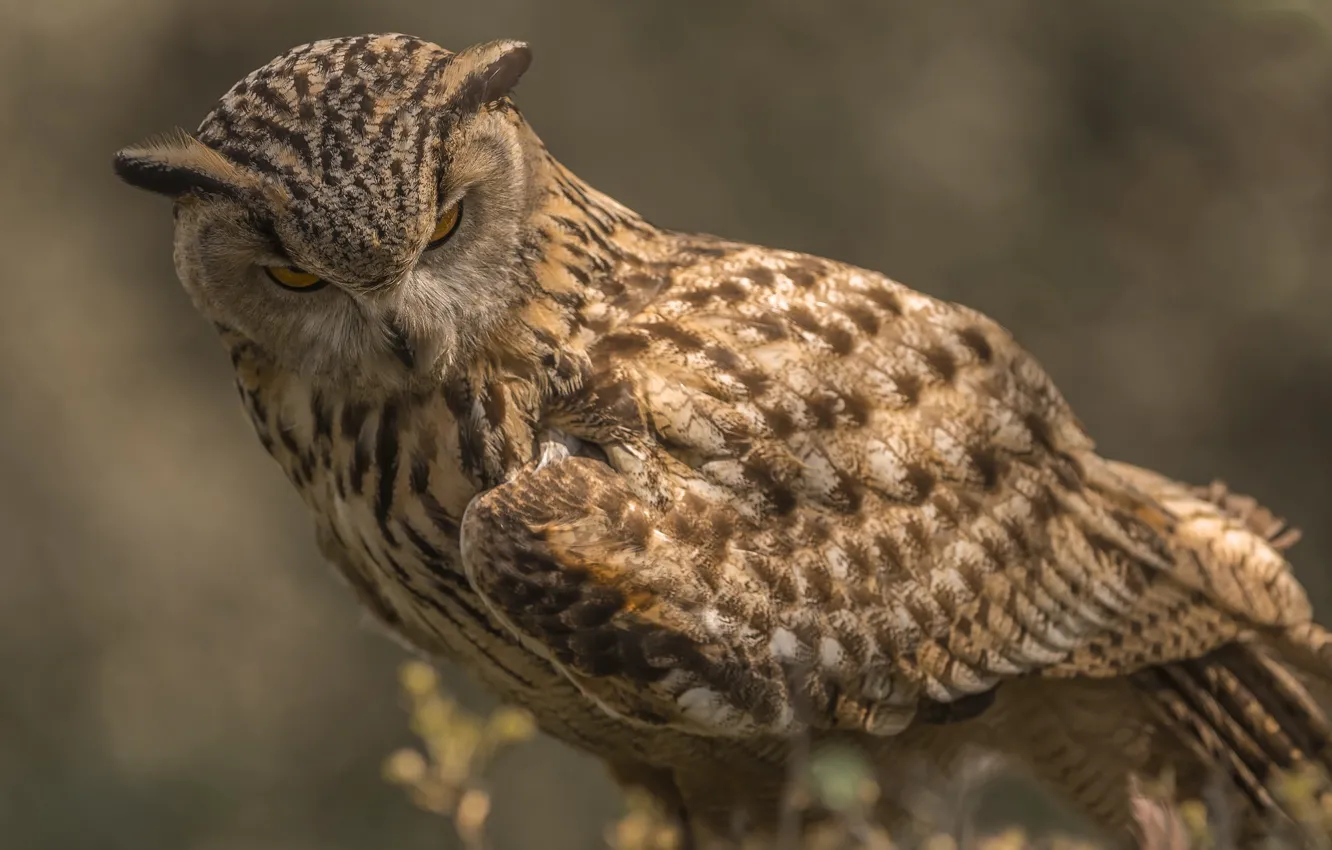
(1251, 710)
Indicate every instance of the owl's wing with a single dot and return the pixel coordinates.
(828, 500)
(567, 556)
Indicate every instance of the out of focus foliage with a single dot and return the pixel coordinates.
(449, 778)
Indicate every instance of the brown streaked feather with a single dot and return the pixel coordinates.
(176, 164)
(573, 561)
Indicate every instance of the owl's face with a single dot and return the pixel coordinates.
(356, 207)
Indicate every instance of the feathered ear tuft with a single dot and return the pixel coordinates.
(484, 73)
(176, 164)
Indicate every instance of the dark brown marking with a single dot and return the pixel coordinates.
(1044, 506)
(495, 405)
(823, 406)
(428, 552)
(650, 654)
(355, 53)
(886, 299)
(725, 359)
(857, 407)
(358, 119)
(262, 91)
(709, 250)
(386, 458)
(1040, 430)
(575, 229)
(802, 318)
(1069, 472)
(682, 338)
(459, 395)
(577, 273)
(864, 318)
(730, 290)
(419, 478)
(767, 477)
(974, 339)
(842, 341)
(301, 80)
(942, 361)
(360, 462)
(909, 386)
(288, 441)
(681, 525)
(760, 276)
(697, 297)
(986, 462)
(781, 422)
(769, 327)
(802, 276)
(624, 343)
(994, 550)
(921, 483)
(293, 140)
(399, 343)
(439, 517)
(256, 161)
(257, 405)
(594, 611)
(849, 494)
(756, 382)
(430, 77)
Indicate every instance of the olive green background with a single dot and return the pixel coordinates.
(1139, 189)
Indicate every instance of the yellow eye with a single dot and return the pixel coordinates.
(290, 278)
(446, 225)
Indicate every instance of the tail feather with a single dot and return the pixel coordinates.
(1307, 648)
(1218, 741)
(1241, 711)
(1299, 719)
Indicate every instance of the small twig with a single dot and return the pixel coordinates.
(795, 794)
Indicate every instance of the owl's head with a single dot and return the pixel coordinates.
(356, 208)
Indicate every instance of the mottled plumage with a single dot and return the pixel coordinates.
(688, 499)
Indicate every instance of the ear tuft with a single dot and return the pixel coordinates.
(176, 164)
(488, 73)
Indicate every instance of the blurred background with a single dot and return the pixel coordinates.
(1138, 189)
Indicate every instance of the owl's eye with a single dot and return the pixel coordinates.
(446, 226)
(295, 279)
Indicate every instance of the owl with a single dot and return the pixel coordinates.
(696, 503)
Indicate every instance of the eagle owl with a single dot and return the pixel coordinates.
(692, 501)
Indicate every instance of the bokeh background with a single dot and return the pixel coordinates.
(1139, 189)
